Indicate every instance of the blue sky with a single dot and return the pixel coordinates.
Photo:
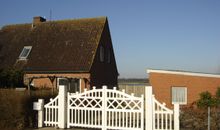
(159, 34)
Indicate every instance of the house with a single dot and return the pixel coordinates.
(172, 86)
(76, 52)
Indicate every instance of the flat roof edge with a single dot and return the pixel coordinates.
(182, 73)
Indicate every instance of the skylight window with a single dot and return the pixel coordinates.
(25, 52)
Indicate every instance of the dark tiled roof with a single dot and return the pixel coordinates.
(68, 45)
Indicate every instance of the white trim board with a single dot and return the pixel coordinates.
(182, 73)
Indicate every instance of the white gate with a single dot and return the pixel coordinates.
(106, 109)
(109, 109)
(51, 112)
(162, 116)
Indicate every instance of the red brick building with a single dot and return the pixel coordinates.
(165, 82)
(76, 52)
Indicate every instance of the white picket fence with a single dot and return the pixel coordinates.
(162, 117)
(109, 109)
(51, 112)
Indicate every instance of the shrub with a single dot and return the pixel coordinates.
(11, 77)
(206, 100)
(16, 108)
(193, 118)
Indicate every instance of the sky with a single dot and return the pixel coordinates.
(156, 34)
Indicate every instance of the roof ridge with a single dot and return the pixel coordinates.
(53, 21)
(73, 19)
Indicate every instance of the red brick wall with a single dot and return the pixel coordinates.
(162, 84)
(45, 82)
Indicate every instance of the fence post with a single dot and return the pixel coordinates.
(104, 112)
(209, 118)
(62, 108)
(41, 113)
(176, 116)
(68, 112)
(148, 108)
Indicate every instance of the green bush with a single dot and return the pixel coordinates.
(206, 100)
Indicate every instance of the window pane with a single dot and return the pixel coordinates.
(64, 82)
(73, 85)
(25, 52)
(179, 95)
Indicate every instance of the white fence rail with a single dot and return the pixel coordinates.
(110, 109)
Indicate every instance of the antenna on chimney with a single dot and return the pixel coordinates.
(50, 14)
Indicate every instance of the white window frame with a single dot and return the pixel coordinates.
(25, 57)
(179, 95)
(102, 54)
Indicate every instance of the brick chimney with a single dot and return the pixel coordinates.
(38, 19)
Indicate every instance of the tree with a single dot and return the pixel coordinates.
(206, 100)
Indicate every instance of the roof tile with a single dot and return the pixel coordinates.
(67, 45)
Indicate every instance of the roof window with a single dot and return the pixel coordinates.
(25, 52)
